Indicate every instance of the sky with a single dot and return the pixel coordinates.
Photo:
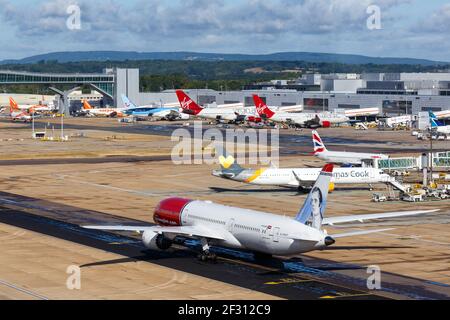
(403, 28)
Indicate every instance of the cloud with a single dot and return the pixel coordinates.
(202, 25)
(191, 17)
(438, 22)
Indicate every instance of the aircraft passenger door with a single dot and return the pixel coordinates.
(231, 225)
(184, 216)
(265, 236)
(276, 234)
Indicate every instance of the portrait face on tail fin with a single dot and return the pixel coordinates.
(317, 207)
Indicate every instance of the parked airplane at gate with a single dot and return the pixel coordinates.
(437, 126)
(217, 114)
(304, 120)
(259, 232)
(301, 178)
(165, 113)
(341, 157)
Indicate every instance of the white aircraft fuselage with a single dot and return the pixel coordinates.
(443, 129)
(304, 177)
(245, 229)
(353, 158)
(217, 114)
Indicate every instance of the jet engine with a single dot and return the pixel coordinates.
(326, 124)
(155, 241)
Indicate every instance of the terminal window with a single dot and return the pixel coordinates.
(397, 107)
(249, 101)
(202, 100)
(316, 104)
(426, 109)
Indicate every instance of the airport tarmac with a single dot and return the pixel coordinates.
(96, 179)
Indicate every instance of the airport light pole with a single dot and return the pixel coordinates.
(62, 127)
(431, 157)
(32, 124)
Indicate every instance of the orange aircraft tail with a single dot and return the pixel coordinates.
(86, 105)
(13, 104)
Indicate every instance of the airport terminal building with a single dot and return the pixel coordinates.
(392, 93)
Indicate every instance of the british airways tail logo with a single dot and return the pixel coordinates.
(318, 144)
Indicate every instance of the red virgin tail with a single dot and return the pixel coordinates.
(261, 107)
(187, 104)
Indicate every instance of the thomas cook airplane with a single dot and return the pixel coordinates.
(301, 178)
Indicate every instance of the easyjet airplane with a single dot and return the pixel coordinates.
(102, 112)
(30, 108)
(304, 120)
(259, 232)
(17, 114)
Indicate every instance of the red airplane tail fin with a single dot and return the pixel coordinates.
(187, 104)
(262, 108)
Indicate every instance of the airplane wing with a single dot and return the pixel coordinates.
(194, 231)
(299, 182)
(364, 217)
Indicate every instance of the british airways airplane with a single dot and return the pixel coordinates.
(341, 157)
(266, 234)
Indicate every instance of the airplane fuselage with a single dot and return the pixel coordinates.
(244, 229)
(212, 114)
(304, 177)
(353, 158)
(302, 119)
(443, 129)
(105, 112)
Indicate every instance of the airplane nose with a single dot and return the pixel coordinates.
(329, 241)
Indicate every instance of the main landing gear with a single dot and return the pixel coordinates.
(206, 255)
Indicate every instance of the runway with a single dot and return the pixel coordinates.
(305, 278)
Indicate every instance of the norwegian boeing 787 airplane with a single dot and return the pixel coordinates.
(259, 232)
